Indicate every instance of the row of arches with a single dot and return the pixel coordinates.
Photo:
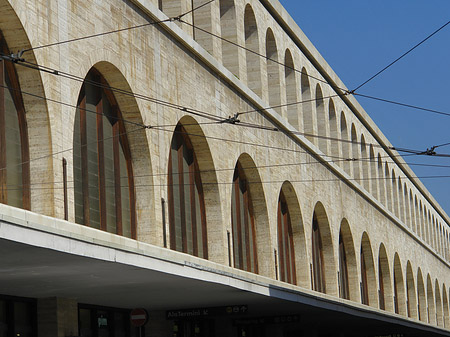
(105, 194)
(357, 272)
(317, 117)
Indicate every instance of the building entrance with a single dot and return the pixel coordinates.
(104, 322)
(193, 328)
(17, 317)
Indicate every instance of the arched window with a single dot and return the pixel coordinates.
(317, 255)
(186, 204)
(344, 291)
(14, 155)
(381, 294)
(103, 175)
(285, 243)
(243, 223)
(384, 280)
(364, 283)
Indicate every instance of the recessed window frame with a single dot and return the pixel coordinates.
(10, 81)
(318, 265)
(119, 140)
(177, 178)
(286, 252)
(364, 280)
(247, 244)
(344, 288)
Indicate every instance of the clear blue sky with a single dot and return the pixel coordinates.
(360, 37)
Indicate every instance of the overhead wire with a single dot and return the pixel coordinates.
(258, 54)
(189, 110)
(116, 30)
(248, 125)
(344, 90)
(402, 56)
(194, 111)
(233, 168)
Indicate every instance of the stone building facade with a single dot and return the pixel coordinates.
(201, 154)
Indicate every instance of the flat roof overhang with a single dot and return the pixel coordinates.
(95, 267)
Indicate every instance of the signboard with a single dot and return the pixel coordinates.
(207, 312)
(138, 317)
(267, 320)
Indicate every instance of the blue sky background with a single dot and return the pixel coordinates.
(360, 37)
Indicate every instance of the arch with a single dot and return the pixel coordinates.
(323, 264)
(321, 120)
(348, 271)
(401, 201)
(187, 218)
(228, 29)
(427, 225)
(298, 234)
(407, 199)
(364, 164)
(202, 22)
(273, 72)
(373, 176)
(215, 233)
(14, 152)
(332, 121)
(384, 280)
(345, 145)
(439, 316)
(187, 214)
(368, 283)
(399, 287)
(291, 90)
(421, 221)
(286, 253)
(388, 184)
(416, 216)
(32, 122)
(355, 155)
(395, 196)
(445, 306)
(430, 301)
(411, 299)
(250, 230)
(421, 298)
(253, 61)
(381, 181)
(104, 191)
(308, 123)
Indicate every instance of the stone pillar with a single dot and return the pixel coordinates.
(57, 317)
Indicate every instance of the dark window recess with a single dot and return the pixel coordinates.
(187, 217)
(14, 151)
(318, 267)
(103, 174)
(243, 224)
(286, 254)
(364, 285)
(344, 289)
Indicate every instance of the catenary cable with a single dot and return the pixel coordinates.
(402, 56)
(116, 30)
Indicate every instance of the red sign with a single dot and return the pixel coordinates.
(138, 317)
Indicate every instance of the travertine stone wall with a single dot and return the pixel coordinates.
(374, 203)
